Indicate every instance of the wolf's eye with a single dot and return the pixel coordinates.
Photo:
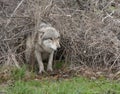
(47, 39)
(50, 39)
(58, 39)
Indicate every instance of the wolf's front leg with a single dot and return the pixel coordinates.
(39, 60)
(49, 67)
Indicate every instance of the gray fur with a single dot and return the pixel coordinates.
(42, 45)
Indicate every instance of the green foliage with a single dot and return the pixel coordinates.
(69, 86)
(18, 74)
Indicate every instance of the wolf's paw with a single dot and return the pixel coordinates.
(41, 71)
(49, 69)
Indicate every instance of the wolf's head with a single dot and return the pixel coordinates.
(50, 37)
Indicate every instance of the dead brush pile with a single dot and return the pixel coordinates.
(90, 29)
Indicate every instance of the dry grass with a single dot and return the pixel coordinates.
(90, 29)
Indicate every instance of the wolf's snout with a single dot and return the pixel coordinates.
(58, 46)
(54, 47)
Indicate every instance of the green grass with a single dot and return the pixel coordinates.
(76, 85)
(26, 83)
(18, 73)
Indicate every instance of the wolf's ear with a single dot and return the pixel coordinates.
(38, 37)
(42, 35)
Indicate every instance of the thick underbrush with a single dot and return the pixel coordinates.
(90, 31)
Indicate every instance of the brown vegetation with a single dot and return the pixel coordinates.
(90, 30)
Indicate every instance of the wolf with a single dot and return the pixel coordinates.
(42, 45)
